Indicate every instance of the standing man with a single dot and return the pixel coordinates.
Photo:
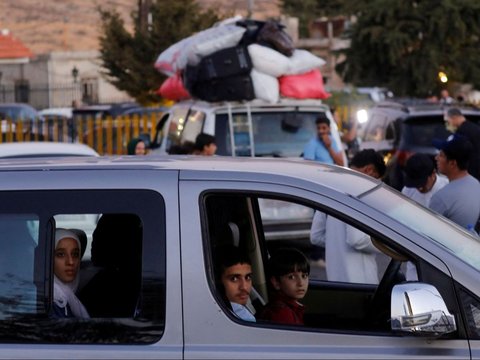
(350, 255)
(323, 147)
(421, 179)
(471, 131)
(459, 200)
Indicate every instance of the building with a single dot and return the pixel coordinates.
(56, 79)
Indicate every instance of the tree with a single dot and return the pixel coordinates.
(128, 58)
(404, 44)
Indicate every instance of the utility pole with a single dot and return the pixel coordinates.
(249, 8)
(143, 15)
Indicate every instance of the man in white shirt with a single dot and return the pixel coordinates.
(349, 253)
(421, 179)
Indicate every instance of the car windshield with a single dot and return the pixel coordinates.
(421, 130)
(16, 113)
(282, 134)
(457, 240)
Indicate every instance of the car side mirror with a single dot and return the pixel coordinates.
(419, 309)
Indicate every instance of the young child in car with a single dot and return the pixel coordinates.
(289, 271)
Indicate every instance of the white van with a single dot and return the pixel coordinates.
(252, 128)
(151, 282)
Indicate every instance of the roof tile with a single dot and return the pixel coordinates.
(11, 48)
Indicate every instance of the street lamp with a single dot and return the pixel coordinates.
(75, 74)
(443, 77)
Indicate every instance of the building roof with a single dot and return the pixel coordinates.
(13, 49)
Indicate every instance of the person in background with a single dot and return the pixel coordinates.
(445, 97)
(461, 126)
(236, 281)
(288, 270)
(459, 199)
(421, 179)
(137, 146)
(322, 147)
(350, 254)
(67, 276)
(348, 133)
(205, 145)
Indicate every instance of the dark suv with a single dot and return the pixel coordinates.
(402, 127)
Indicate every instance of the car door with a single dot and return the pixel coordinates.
(133, 309)
(211, 331)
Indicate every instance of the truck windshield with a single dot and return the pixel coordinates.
(278, 134)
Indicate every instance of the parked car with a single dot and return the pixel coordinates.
(20, 112)
(34, 149)
(152, 271)
(403, 127)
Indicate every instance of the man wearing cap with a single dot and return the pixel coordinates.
(421, 179)
(459, 200)
(458, 123)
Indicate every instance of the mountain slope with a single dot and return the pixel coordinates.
(67, 25)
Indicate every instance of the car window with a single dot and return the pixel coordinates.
(375, 130)
(184, 126)
(282, 134)
(122, 272)
(352, 270)
(456, 239)
(421, 130)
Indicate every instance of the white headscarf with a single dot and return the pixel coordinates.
(64, 293)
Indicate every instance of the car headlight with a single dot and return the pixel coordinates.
(362, 116)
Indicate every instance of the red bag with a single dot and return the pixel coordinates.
(308, 85)
(173, 89)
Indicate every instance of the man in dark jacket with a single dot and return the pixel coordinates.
(471, 131)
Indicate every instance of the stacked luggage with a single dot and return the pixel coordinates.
(240, 60)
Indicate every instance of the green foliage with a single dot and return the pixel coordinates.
(128, 58)
(403, 45)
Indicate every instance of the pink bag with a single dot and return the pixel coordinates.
(173, 89)
(308, 85)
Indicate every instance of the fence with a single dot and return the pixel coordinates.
(108, 136)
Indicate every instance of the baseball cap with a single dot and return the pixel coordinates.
(456, 147)
(417, 170)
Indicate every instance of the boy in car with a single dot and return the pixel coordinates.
(289, 271)
(236, 280)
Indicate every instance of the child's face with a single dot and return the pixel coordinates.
(294, 285)
(237, 281)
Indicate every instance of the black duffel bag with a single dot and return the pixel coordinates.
(223, 63)
(233, 88)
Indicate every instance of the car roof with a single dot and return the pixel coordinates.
(423, 107)
(282, 104)
(44, 149)
(16, 105)
(294, 171)
(65, 112)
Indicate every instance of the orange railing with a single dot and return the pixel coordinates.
(107, 136)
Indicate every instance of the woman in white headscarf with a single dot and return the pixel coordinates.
(67, 258)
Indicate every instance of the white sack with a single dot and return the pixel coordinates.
(303, 61)
(265, 86)
(213, 39)
(268, 61)
(174, 58)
